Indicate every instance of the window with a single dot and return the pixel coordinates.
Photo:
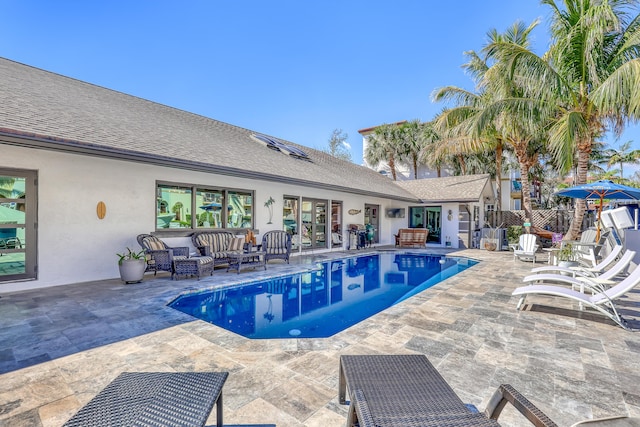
(185, 206)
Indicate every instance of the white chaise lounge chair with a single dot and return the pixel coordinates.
(578, 280)
(527, 247)
(601, 301)
(583, 271)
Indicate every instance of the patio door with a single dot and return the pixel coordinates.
(371, 216)
(314, 223)
(18, 207)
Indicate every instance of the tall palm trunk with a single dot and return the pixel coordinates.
(463, 165)
(392, 166)
(499, 181)
(415, 165)
(526, 193)
(581, 178)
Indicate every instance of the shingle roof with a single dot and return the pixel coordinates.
(466, 188)
(49, 110)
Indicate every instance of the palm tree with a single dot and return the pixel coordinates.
(429, 154)
(412, 141)
(494, 117)
(622, 156)
(383, 146)
(589, 79)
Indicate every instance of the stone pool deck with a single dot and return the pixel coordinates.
(60, 346)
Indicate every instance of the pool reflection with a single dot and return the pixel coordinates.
(318, 303)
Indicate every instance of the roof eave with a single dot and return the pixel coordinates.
(11, 137)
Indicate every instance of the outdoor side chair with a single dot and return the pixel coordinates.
(526, 248)
(276, 244)
(160, 256)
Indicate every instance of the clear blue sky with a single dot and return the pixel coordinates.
(293, 69)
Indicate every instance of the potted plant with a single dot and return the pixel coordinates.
(132, 266)
(567, 256)
(491, 240)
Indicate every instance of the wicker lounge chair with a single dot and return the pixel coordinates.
(160, 256)
(406, 390)
(600, 300)
(276, 245)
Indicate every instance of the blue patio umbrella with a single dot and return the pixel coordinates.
(600, 190)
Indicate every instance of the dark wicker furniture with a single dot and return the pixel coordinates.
(194, 266)
(276, 245)
(238, 261)
(160, 256)
(214, 243)
(406, 391)
(155, 399)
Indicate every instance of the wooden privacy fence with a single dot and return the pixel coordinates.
(551, 219)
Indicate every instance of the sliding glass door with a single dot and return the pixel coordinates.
(17, 224)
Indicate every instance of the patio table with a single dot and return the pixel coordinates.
(402, 391)
(241, 260)
(155, 399)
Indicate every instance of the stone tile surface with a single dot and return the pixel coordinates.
(60, 346)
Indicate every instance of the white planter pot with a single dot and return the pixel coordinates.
(132, 270)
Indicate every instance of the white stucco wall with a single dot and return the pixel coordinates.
(75, 246)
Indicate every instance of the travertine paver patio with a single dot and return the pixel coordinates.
(60, 346)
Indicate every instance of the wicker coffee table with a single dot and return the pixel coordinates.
(242, 260)
(168, 399)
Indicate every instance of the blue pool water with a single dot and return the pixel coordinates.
(327, 299)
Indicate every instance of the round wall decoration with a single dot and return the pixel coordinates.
(354, 211)
(101, 210)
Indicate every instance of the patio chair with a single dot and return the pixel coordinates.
(600, 300)
(160, 256)
(526, 248)
(276, 244)
(577, 279)
(406, 390)
(584, 271)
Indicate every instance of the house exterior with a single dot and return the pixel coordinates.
(452, 207)
(85, 169)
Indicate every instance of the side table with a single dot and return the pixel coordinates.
(196, 265)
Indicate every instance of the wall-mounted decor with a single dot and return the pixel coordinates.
(395, 213)
(101, 210)
(354, 211)
(269, 205)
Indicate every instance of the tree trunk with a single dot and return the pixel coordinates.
(526, 193)
(463, 165)
(415, 166)
(581, 178)
(499, 181)
(392, 166)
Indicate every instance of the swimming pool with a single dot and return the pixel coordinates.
(321, 302)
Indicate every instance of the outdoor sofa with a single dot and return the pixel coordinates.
(412, 237)
(217, 244)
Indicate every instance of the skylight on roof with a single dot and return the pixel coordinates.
(276, 144)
